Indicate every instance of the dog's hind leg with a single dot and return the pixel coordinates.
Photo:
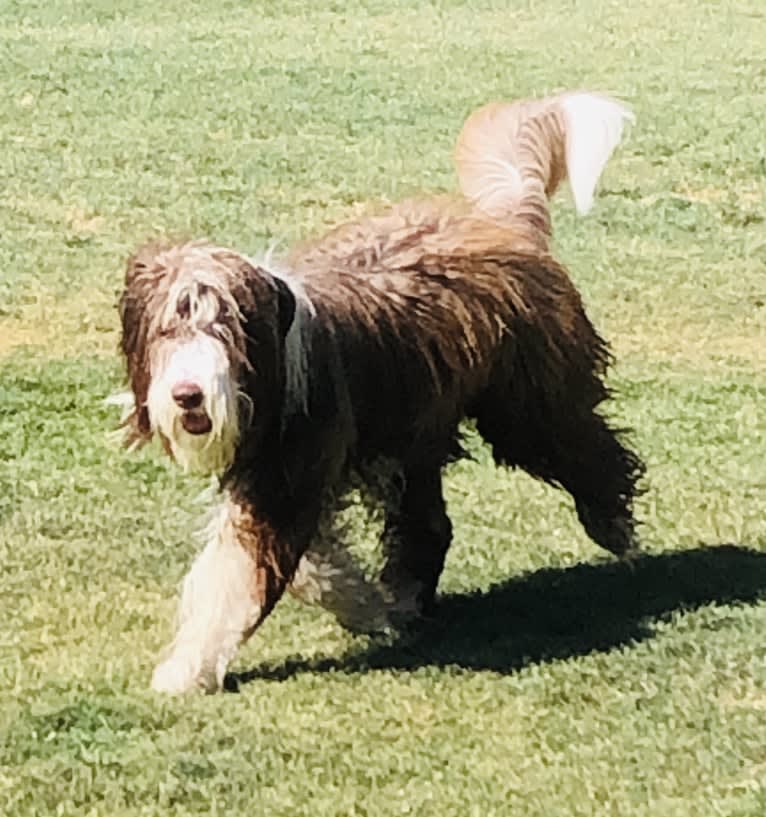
(416, 538)
(329, 576)
(572, 447)
(232, 586)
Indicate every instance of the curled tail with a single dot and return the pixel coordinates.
(512, 156)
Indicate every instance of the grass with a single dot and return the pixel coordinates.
(554, 682)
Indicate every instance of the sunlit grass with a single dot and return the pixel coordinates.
(554, 682)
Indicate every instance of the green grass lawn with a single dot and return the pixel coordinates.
(555, 682)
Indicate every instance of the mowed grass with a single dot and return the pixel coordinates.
(554, 682)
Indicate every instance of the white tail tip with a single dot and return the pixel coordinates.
(594, 127)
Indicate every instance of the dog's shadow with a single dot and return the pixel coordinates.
(551, 614)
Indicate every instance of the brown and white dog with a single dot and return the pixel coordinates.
(353, 361)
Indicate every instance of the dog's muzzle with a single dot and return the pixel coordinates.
(189, 397)
(192, 402)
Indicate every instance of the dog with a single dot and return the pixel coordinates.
(352, 363)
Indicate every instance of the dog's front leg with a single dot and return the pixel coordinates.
(231, 587)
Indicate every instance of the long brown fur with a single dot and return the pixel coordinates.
(418, 318)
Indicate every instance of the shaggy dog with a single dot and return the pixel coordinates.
(352, 363)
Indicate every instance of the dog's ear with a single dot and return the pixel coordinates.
(130, 322)
(133, 347)
(132, 307)
(285, 306)
(262, 284)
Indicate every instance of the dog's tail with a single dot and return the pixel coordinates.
(511, 156)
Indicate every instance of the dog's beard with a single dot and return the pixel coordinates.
(202, 439)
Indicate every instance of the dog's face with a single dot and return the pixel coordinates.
(201, 333)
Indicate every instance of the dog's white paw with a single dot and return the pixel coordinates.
(180, 674)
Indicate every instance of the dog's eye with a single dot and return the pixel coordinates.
(183, 306)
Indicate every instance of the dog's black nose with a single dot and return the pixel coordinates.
(187, 394)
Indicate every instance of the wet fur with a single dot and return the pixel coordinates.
(370, 346)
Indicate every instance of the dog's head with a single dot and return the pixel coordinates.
(205, 338)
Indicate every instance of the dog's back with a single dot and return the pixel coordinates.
(440, 290)
(445, 309)
(440, 299)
